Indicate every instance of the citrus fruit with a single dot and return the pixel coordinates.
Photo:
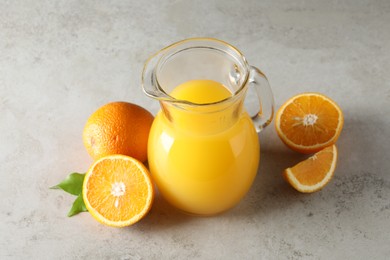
(313, 173)
(118, 128)
(309, 122)
(117, 190)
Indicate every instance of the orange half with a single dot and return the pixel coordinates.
(118, 191)
(313, 173)
(309, 122)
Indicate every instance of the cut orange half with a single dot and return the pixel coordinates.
(313, 173)
(309, 122)
(117, 190)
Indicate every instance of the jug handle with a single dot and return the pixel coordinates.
(266, 111)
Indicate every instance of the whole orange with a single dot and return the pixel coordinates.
(118, 128)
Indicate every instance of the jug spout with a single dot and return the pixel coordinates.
(150, 84)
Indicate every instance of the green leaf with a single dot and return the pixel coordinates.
(78, 206)
(72, 184)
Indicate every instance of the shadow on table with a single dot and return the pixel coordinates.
(163, 216)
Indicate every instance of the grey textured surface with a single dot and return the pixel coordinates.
(60, 60)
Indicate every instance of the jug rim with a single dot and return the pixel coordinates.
(163, 96)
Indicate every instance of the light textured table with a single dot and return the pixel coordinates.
(61, 60)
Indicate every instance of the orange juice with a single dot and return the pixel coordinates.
(204, 160)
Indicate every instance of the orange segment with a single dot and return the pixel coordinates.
(313, 173)
(309, 122)
(117, 190)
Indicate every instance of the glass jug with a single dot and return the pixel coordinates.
(204, 153)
